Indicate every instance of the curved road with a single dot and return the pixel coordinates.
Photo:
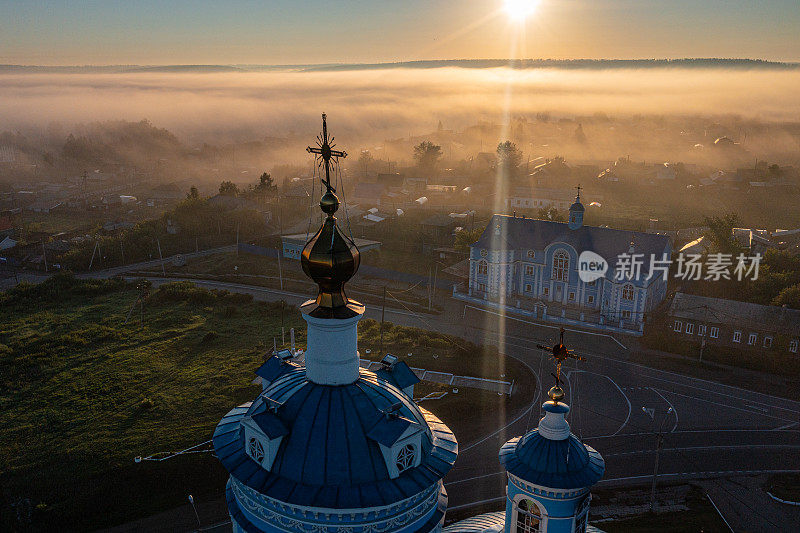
(713, 430)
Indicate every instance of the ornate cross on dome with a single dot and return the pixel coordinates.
(560, 354)
(324, 150)
(579, 190)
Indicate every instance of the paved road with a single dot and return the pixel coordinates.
(114, 271)
(713, 430)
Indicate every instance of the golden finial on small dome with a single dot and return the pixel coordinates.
(556, 393)
(329, 258)
(329, 203)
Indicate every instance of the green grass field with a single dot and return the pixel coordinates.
(82, 393)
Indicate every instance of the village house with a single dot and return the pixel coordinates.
(750, 327)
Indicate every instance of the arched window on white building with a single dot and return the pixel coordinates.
(627, 292)
(561, 266)
(483, 268)
(529, 519)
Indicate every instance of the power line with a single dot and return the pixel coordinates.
(686, 458)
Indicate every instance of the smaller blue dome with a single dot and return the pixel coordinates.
(557, 464)
(577, 206)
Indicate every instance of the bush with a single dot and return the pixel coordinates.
(183, 291)
(186, 291)
(234, 298)
(60, 286)
(146, 403)
(209, 337)
(403, 337)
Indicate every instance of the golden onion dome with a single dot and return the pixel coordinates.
(331, 259)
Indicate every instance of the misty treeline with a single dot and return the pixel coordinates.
(191, 225)
(649, 114)
(117, 147)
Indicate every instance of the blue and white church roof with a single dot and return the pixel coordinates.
(328, 446)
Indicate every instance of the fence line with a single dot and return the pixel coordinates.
(446, 378)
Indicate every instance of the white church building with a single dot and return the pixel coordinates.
(531, 267)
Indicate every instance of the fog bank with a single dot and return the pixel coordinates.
(385, 103)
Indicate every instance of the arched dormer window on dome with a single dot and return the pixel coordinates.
(561, 266)
(483, 268)
(263, 433)
(529, 518)
(405, 458)
(256, 449)
(627, 292)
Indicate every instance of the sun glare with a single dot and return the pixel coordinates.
(520, 9)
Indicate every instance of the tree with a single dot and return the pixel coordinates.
(790, 297)
(427, 155)
(465, 238)
(720, 233)
(193, 194)
(266, 184)
(228, 188)
(551, 213)
(580, 136)
(508, 157)
(364, 161)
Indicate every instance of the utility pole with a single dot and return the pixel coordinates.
(432, 286)
(161, 257)
(191, 500)
(44, 255)
(280, 248)
(280, 269)
(659, 437)
(283, 330)
(383, 314)
(91, 261)
(430, 295)
(703, 337)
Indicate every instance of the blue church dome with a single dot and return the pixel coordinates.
(335, 443)
(551, 456)
(559, 464)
